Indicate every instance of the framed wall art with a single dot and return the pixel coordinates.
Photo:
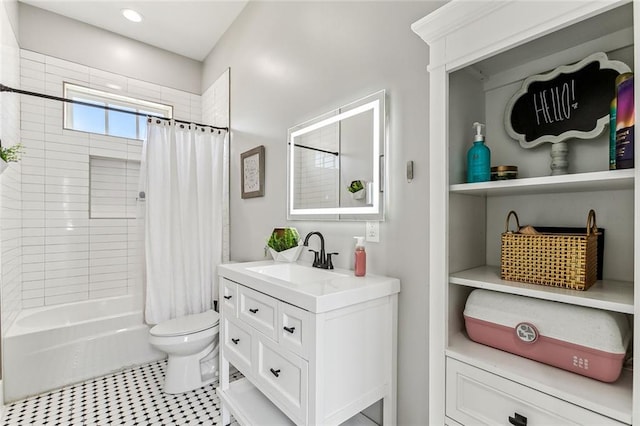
(252, 172)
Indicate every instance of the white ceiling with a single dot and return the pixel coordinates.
(187, 27)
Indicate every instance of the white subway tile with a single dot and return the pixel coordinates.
(66, 239)
(66, 298)
(30, 242)
(95, 277)
(109, 292)
(77, 264)
(32, 303)
(120, 245)
(66, 223)
(66, 281)
(72, 291)
(32, 56)
(67, 189)
(66, 256)
(32, 276)
(33, 285)
(65, 273)
(67, 214)
(32, 294)
(66, 248)
(108, 254)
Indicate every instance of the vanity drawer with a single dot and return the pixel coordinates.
(475, 396)
(294, 329)
(229, 297)
(258, 310)
(283, 375)
(237, 345)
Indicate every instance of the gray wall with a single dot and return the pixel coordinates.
(292, 61)
(55, 35)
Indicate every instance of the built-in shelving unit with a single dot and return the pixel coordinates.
(480, 52)
(578, 182)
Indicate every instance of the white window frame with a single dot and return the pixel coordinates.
(85, 94)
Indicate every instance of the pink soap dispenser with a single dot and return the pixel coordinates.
(360, 266)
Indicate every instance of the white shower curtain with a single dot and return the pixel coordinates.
(182, 177)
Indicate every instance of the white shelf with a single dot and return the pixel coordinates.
(249, 406)
(579, 182)
(610, 399)
(611, 295)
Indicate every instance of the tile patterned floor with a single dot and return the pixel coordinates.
(129, 397)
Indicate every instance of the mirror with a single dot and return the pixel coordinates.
(336, 163)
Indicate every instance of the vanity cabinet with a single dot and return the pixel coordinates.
(315, 353)
(480, 53)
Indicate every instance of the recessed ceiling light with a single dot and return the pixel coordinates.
(131, 15)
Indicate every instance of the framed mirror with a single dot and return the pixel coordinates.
(336, 163)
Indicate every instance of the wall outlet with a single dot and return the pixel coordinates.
(372, 232)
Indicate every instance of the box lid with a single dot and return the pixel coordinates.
(593, 328)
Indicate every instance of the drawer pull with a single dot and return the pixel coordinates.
(290, 329)
(253, 311)
(235, 341)
(518, 420)
(227, 297)
(275, 372)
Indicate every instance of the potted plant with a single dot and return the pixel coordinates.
(284, 244)
(8, 155)
(356, 189)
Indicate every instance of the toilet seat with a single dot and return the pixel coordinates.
(188, 324)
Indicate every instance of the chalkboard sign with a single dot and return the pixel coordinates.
(571, 101)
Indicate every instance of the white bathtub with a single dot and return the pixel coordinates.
(50, 347)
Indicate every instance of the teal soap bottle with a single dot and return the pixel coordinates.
(478, 158)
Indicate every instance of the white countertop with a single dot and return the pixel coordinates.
(321, 295)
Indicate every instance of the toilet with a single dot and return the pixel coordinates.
(191, 344)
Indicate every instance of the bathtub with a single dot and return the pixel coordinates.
(47, 348)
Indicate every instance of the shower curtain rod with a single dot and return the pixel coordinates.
(4, 88)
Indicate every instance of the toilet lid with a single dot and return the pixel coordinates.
(186, 325)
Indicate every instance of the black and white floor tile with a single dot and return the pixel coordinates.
(129, 397)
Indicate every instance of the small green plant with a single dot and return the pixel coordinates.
(283, 238)
(11, 154)
(355, 186)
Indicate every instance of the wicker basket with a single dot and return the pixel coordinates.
(559, 260)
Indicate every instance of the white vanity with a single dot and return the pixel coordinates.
(315, 347)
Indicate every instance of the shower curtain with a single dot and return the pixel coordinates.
(183, 181)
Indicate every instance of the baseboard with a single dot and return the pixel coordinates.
(1, 401)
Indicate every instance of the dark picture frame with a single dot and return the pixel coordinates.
(252, 172)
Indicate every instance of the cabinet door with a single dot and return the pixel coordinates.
(294, 329)
(229, 300)
(237, 345)
(478, 397)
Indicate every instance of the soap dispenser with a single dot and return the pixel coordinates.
(360, 265)
(478, 158)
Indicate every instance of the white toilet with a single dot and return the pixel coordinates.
(191, 343)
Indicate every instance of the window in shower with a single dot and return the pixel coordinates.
(90, 119)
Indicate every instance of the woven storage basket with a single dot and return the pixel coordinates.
(559, 260)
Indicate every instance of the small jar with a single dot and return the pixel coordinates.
(504, 172)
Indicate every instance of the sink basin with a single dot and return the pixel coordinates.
(295, 273)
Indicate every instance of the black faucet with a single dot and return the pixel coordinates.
(321, 259)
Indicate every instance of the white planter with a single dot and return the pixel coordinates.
(3, 166)
(358, 195)
(289, 255)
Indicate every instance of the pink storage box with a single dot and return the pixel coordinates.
(586, 341)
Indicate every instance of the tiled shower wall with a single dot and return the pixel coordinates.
(10, 214)
(68, 255)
